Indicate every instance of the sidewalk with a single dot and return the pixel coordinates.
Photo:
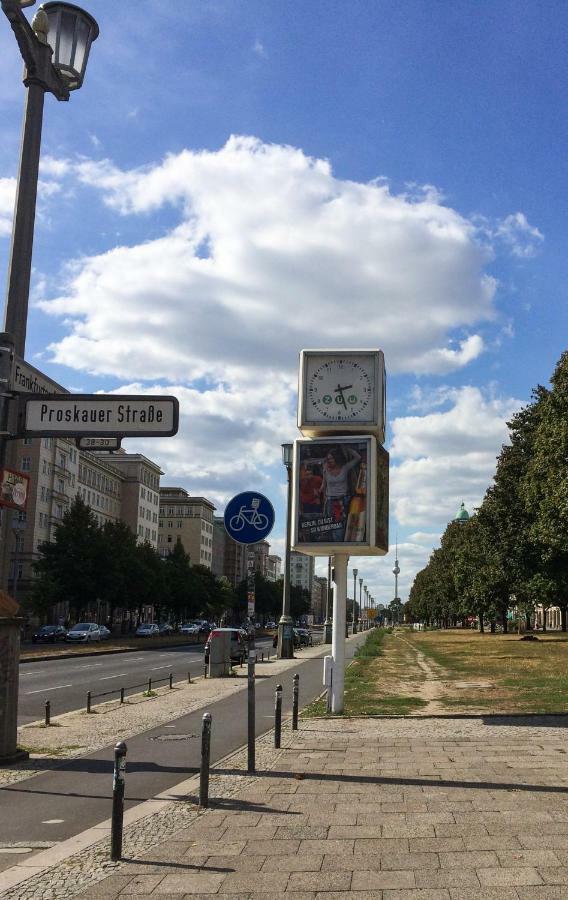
(414, 809)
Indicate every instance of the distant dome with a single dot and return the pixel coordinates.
(462, 515)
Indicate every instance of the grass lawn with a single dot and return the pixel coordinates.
(499, 672)
(363, 678)
(433, 672)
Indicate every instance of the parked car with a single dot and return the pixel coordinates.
(106, 633)
(304, 637)
(49, 634)
(149, 629)
(166, 628)
(238, 644)
(270, 625)
(189, 628)
(85, 632)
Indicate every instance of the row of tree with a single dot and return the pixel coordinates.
(513, 552)
(89, 566)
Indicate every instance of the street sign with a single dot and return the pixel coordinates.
(98, 443)
(249, 517)
(91, 415)
(28, 380)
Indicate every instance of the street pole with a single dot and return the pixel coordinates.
(360, 602)
(338, 637)
(327, 623)
(355, 573)
(286, 623)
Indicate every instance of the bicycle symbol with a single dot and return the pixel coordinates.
(249, 517)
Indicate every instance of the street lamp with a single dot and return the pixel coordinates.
(286, 623)
(360, 603)
(355, 573)
(55, 49)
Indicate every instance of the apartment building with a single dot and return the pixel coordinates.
(273, 567)
(302, 570)
(187, 519)
(115, 486)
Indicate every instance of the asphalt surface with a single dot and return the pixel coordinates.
(65, 682)
(64, 802)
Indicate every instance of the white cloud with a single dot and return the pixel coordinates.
(442, 458)
(272, 253)
(523, 239)
(7, 195)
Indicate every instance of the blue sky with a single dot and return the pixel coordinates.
(236, 181)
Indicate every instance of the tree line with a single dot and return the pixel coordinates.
(90, 566)
(513, 551)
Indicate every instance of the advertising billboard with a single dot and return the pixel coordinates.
(335, 496)
(13, 488)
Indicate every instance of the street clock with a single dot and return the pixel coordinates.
(342, 391)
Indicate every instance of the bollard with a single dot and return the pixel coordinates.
(88, 701)
(122, 695)
(117, 801)
(278, 716)
(251, 752)
(262, 656)
(295, 700)
(171, 681)
(47, 712)
(205, 670)
(189, 677)
(149, 685)
(205, 758)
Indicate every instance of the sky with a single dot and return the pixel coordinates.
(237, 181)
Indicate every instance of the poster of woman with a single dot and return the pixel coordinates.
(332, 491)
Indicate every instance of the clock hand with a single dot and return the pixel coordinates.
(339, 390)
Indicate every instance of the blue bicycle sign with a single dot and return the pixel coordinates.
(249, 517)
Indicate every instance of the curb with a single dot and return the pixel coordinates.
(47, 657)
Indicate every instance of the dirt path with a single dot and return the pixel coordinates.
(429, 678)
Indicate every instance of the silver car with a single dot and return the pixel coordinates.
(85, 632)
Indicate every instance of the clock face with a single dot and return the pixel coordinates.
(340, 388)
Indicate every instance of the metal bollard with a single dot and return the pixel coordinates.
(122, 695)
(278, 716)
(251, 713)
(205, 760)
(295, 700)
(88, 701)
(205, 670)
(117, 801)
(189, 677)
(47, 713)
(149, 685)
(171, 681)
(262, 656)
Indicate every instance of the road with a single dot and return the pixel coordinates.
(61, 803)
(65, 682)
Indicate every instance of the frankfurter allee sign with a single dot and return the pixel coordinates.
(75, 415)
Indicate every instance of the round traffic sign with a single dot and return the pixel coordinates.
(249, 517)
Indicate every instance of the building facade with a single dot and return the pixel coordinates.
(187, 519)
(302, 570)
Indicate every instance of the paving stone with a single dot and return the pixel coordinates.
(295, 863)
(302, 832)
(200, 848)
(476, 859)
(410, 861)
(261, 883)
(319, 881)
(544, 892)
(509, 858)
(447, 878)
(242, 863)
(191, 883)
(487, 893)
(272, 848)
(316, 847)
(556, 875)
(417, 895)
(521, 875)
(373, 880)
(142, 884)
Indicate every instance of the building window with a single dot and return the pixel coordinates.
(26, 463)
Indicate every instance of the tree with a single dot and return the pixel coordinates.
(69, 568)
(178, 582)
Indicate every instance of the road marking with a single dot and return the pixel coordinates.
(159, 667)
(56, 688)
(52, 821)
(24, 674)
(90, 666)
(106, 677)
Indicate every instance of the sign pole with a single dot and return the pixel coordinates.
(338, 637)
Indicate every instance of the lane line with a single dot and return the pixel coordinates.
(106, 677)
(27, 674)
(56, 688)
(159, 667)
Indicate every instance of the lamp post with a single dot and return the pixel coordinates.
(366, 606)
(360, 603)
(286, 623)
(55, 50)
(327, 625)
(355, 573)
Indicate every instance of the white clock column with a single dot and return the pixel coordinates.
(338, 637)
